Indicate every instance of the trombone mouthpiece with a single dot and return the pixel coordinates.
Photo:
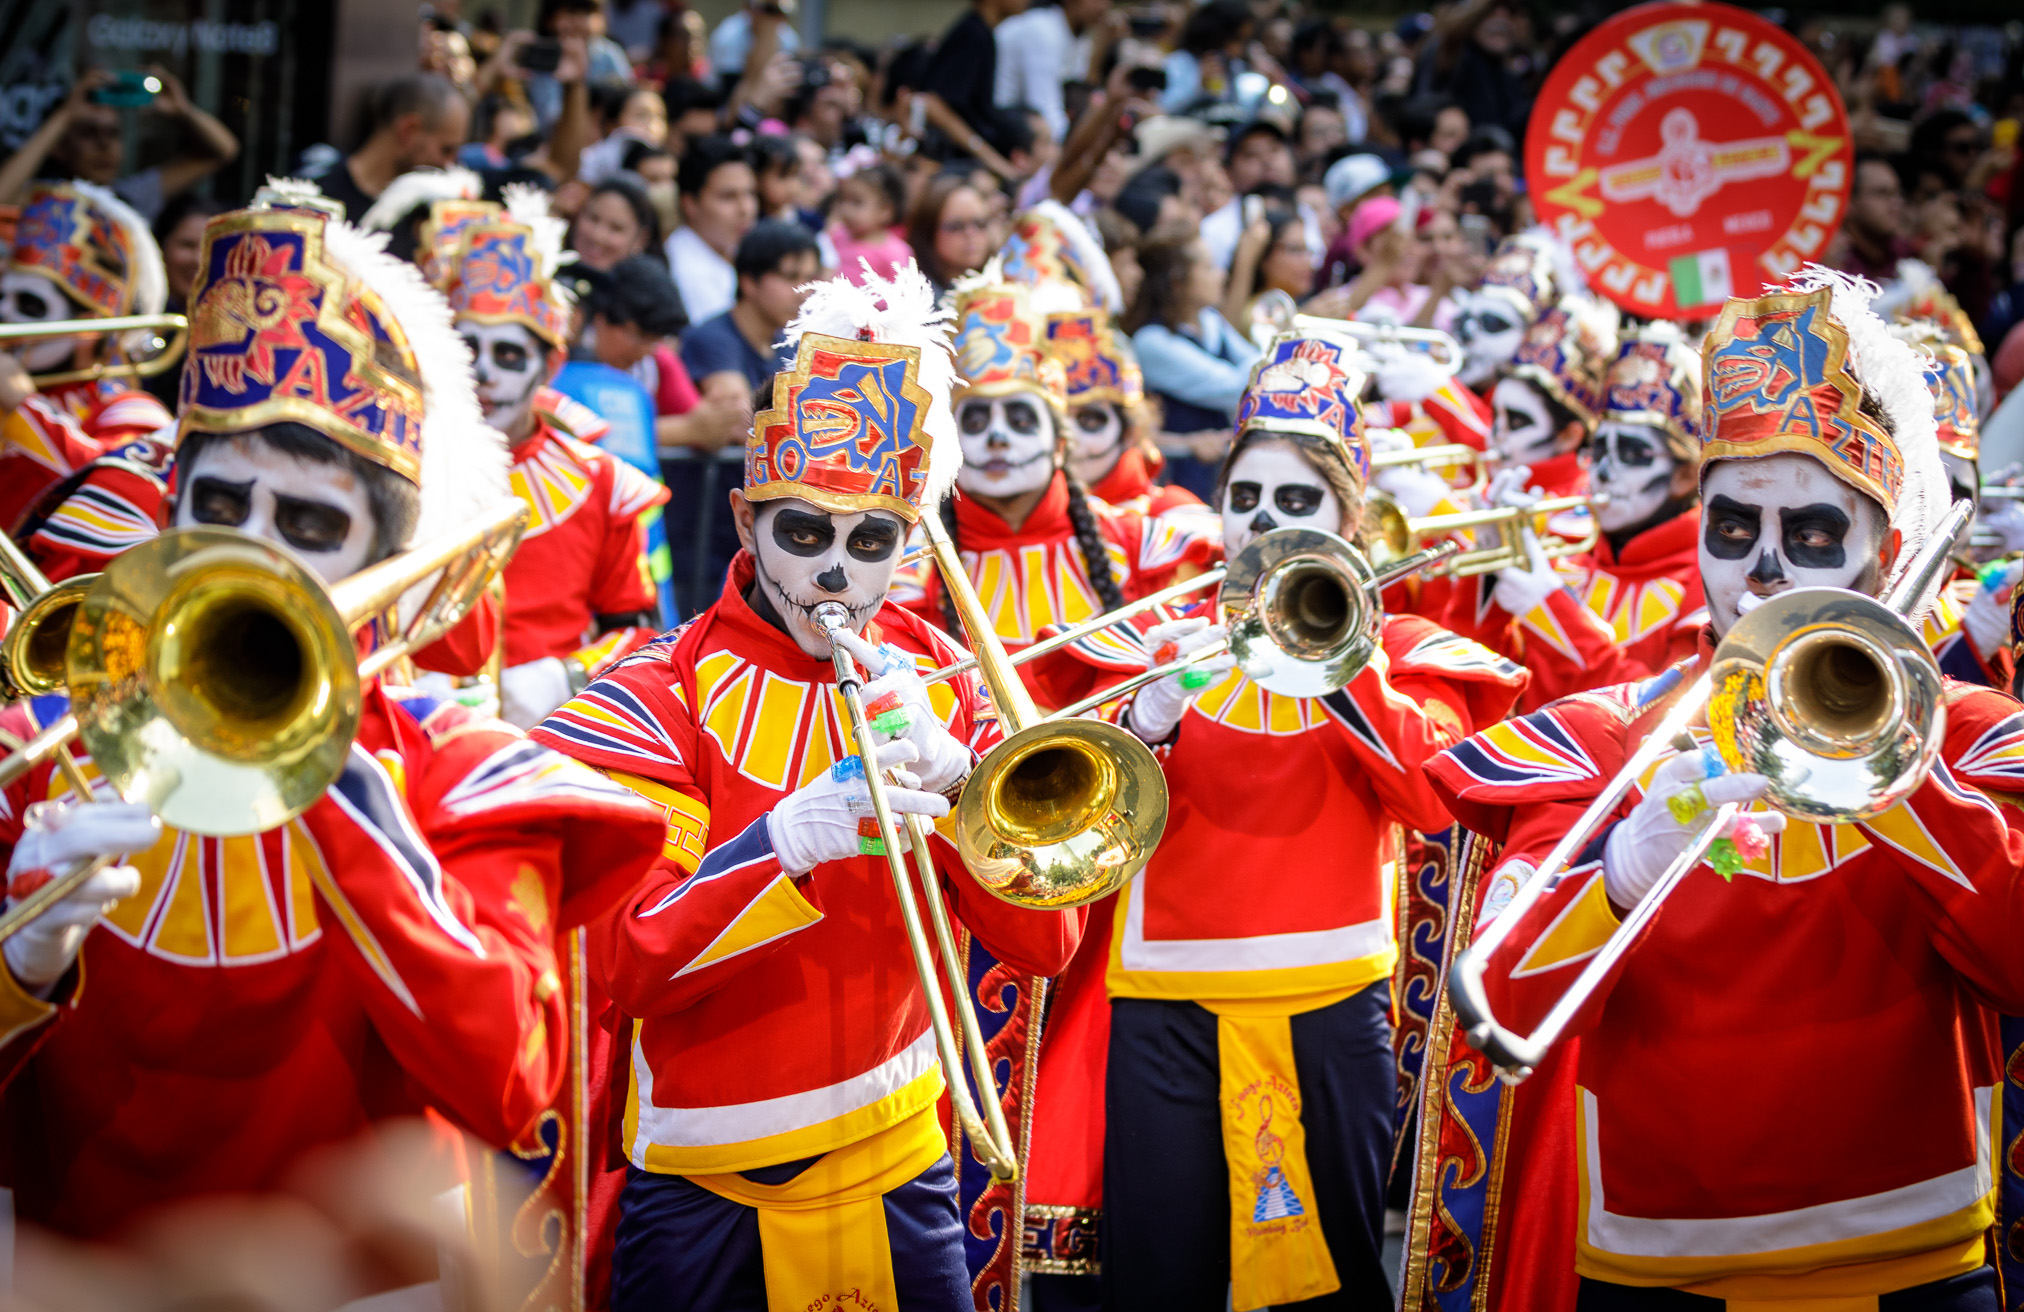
(831, 616)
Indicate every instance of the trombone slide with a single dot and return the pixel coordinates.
(169, 354)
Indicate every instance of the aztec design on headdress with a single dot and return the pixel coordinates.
(1096, 359)
(1050, 244)
(1001, 342)
(861, 421)
(441, 236)
(280, 331)
(93, 246)
(1566, 353)
(1309, 384)
(502, 269)
(1951, 376)
(1656, 382)
(1530, 271)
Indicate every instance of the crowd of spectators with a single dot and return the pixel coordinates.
(1221, 150)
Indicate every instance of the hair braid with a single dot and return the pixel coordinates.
(1095, 551)
(951, 621)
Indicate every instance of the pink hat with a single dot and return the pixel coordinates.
(1370, 218)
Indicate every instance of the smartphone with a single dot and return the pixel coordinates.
(1254, 209)
(1476, 228)
(540, 56)
(127, 90)
(1147, 79)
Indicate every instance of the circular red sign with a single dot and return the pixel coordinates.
(1688, 153)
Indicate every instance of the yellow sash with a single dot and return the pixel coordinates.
(822, 1235)
(1277, 1252)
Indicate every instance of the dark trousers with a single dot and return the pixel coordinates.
(1973, 1292)
(702, 536)
(682, 1248)
(1165, 1238)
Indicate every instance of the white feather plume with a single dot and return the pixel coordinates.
(527, 206)
(147, 278)
(899, 312)
(420, 187)
(1088, 251)
(1889, 371)
(284, 190)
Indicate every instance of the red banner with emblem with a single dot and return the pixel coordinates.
(1689, 153)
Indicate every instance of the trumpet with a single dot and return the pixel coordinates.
(1399, 534)
(1442, 455)
(1831, 695)
(161, 351)
(1273, 315)
(31, 653)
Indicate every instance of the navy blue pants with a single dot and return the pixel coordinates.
(1973, 1292)
(681, 1248)
(1165, 1238)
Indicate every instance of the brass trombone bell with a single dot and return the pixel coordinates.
(32, 653)
(1498, 532)
(164, 350)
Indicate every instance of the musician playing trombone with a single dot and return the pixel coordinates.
(389, 953)
(80, 253)
(1788, 1089)
(782, 1078)
(1250, 1085)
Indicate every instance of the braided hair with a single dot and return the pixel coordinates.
(1088, 539)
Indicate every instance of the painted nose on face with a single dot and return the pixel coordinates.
(1768, 572)
(833, 579)
(1263, 523)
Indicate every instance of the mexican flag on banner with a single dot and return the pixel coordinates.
(1701, 279)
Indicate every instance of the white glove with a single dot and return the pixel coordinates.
(1647, 840)
(2006, 517)
(818, 823)
(530, 691)
(1407, 375)
(944, 762)
(1987, 619)
(1507, 487)
(1521, 591)
(56, 838)
(1417, 490)
(479, 694)
(1156, 709)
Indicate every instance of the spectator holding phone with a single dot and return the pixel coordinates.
(84, 137)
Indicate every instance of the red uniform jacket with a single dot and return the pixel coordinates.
(1793, 1070)
(391, 951)
(775, 1016)
(1452, 414)
(1129, 485)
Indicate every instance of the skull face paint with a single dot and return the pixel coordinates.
(1782, 522)
(509, 362)
(1273, 485)
(1632, 467)
(806, 556)
(1008, 445)
(1523, 430)
(1096, 433)
(1489, 330)
(320, 512)
(31, 298)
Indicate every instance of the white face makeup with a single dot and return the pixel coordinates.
(1631, 465)
(1272, 485)
(31, 298)
(509, 362)
(1523, 430)
(318, 511)
(1097, 440)
(806, 556)
(1489, 331)
(1008, 445)
(1782, 522)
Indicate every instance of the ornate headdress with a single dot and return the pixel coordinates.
(1950, 377)
(295, 194)
(1001, 341)
(1050, 244)
(295, 317)
(1309, 384)
(93, 246)
(1096, 359)
(452, 197)
(1531, 272)
(1566, 353)
(503, 268)
(1789, 370)
(1656, 382)
(862, 420)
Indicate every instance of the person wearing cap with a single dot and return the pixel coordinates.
(1349, 182)
(1250, 1084)
(780, 1117)
(257, 999)
(1742, 1185)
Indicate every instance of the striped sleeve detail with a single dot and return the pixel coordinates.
(611, 724)
(571, 415)
(524, 773)
(778, 911)
(1536, 749)
(1184, 533)
(688, 820)
(98, 521)
(633, 492)
(753, 846)
(131, 412)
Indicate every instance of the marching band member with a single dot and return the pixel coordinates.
(780, 1114)
(1250, 1083)
(1739, 1183)
(392, 950)
(578, 593)
(79, 253)
(1040, 550)
(1528, 274)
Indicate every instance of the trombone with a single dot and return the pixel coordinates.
(169, 334)
(31, 653)
(1398, 534)
(1831, 695)
(1440, 455)
(1274, 314)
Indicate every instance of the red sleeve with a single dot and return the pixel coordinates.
(678, 394)
(464, 650)
(620, 581)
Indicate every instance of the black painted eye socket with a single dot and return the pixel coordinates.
(1092, 418)
(510, 356)
(1493, 324)
(1514, 421)
(1297, 498)
(1635, 452)
(34, 308)
(1022, 418)
(1244, 497)
(801, 534)
(214, 501)
(873, 540)
(974, 419)
(1731, 529)
(311, 525)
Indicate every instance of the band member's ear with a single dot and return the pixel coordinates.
(1893, 542)
(745, 516)
(1572, 437)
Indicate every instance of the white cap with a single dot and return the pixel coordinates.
(1350, 178)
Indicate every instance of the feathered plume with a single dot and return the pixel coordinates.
(421, 187)
(899, 312)
(528, 206)
(146, 276)
(1088, 252)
